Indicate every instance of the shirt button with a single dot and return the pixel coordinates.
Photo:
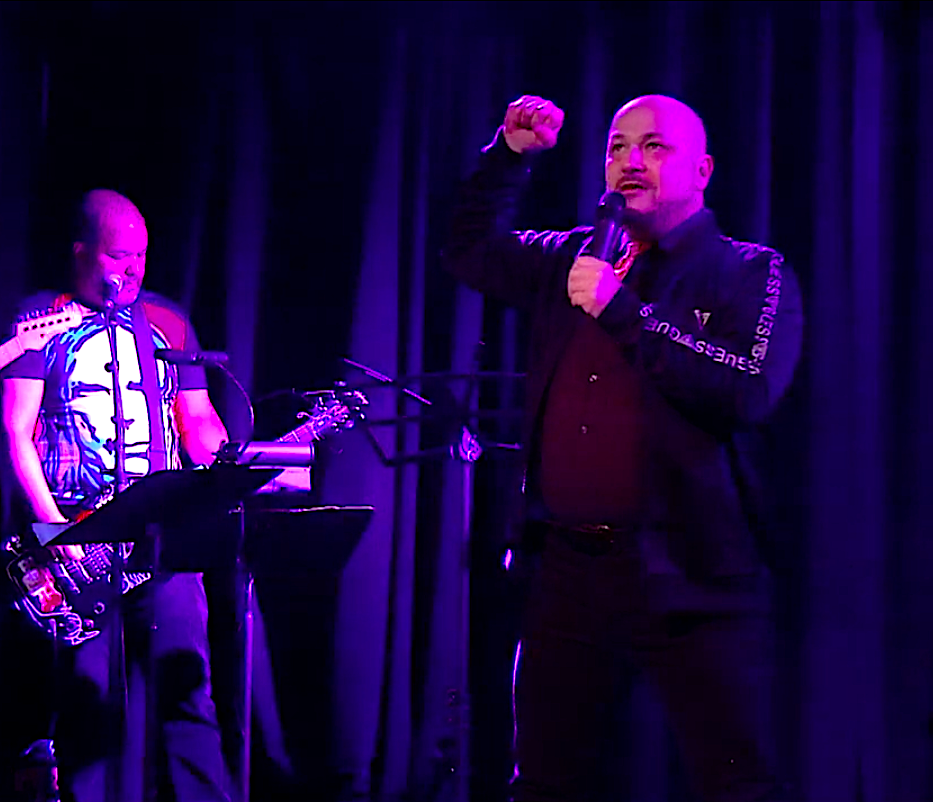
(583, 429)
(593, 377)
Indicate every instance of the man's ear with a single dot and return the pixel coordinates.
(704, 171)
(78, 248)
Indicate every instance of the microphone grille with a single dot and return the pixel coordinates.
(611, 206)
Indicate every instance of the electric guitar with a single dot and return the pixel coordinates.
(34, 330)
(333, 411)
(70, 598)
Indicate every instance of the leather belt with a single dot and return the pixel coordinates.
(593, 539)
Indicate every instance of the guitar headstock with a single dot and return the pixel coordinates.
(353, 400)
(34, 330)
(333, 411)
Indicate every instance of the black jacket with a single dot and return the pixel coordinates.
(715, 333)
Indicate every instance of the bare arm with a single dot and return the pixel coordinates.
(201, 430)
(22, 399)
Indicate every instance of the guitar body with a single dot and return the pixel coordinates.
(69, 600)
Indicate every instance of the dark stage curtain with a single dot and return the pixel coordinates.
(296, 163)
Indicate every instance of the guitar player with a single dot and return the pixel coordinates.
(57, 422)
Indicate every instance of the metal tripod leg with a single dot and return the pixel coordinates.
(117, 675)
(244, 594)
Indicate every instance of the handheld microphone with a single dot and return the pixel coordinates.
(191, 357)
(608, 231)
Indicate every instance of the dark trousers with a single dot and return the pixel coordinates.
(592, 612)
(189, 763)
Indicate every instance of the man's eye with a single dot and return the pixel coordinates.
(654, 145)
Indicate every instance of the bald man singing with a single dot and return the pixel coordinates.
(59, 434)
(646, 367)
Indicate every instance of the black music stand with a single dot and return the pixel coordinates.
(175, 502)
(177, 513)
(465, 444)
(280, 522)
(317, 540)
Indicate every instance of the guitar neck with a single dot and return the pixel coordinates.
(333, 418)
(9, 351)
(307, 431)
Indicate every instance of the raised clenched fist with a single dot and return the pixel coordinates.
(532, 123)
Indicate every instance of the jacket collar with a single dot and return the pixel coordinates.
(699, 226)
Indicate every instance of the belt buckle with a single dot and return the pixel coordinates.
(605, 529)
(602, 531)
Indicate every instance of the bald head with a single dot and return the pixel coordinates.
(112, 241)
(103, 210)
(656, 157)
(675, 118)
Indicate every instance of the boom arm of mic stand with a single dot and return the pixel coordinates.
(386, 380)
(404, 459)
(464, 448)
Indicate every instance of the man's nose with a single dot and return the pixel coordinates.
(636, 159)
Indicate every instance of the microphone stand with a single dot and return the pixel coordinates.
(245, 595)
(119, 421)
(117, 657)
(242, 579)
